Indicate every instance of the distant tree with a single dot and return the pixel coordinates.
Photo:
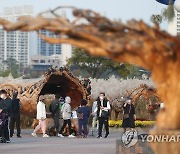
(83, 64)
(10, 66)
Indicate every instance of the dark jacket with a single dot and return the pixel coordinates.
(3, 118)
(15, 107)
(85, 110)
(6, 105)
(54, 108)
(99, 104)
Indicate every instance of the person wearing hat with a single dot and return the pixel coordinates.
(129, 116)
(66, 113)
(41, 116)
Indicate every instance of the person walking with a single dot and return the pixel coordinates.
(54, 108)
(15, 116)
(103, 107)
(41, 116)
(66, 113)
(83, 115)
(129, 116)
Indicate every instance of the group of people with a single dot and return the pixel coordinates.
(100, 112)
(9, 115)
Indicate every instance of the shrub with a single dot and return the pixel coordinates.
(118, 123)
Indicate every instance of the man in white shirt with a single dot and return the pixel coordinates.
(102, 109)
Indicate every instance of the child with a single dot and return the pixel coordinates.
(3, 120)
(83, 115)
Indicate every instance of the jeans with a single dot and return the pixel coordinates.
(83, 123)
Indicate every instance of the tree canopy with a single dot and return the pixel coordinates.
(83, 64)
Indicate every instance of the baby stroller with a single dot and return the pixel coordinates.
(3, 119)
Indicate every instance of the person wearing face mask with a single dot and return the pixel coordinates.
(102, 109)
(41, 116)
(129, 116)
(5, 104)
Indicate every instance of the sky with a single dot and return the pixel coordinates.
(114, 9)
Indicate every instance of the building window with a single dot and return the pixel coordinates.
(42, 61)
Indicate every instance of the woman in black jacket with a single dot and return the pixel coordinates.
(129, 116)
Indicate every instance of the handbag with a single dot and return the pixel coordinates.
(126, 116)
(80, 116)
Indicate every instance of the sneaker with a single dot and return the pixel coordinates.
(71, 136)
(60, 135)
(34, 134)
(45, 135)
(99, 137)
(8, 141)
(18, 136)
(106, 135)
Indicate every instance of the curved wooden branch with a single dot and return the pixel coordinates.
(134, 42)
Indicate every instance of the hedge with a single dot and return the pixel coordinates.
(118, 123)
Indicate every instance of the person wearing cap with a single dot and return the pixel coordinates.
(66, 114)
(129, 116)
(41, 116)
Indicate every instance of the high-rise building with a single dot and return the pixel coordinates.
(15, 44)
(23, 45)
(46, 49)
(174, 25)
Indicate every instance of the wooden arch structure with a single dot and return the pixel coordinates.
(55, 81)
(142, 90)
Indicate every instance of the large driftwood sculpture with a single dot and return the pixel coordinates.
(141, 91)
(134, 42)
(55, 81)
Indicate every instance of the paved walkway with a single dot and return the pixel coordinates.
(31, 145)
